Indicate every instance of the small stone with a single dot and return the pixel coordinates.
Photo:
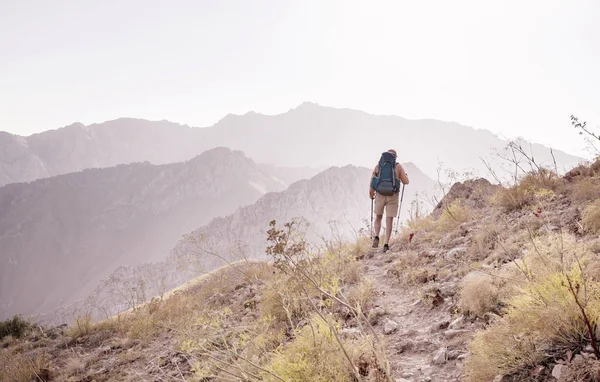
(448, 291)
(402, 380)
(589, 349)
(549, 228)
(454, 354)
(351, 332)
(498, 378)
(427, 371)
(390, 327)
(378, 310)
(578, 358)
(558, 371)
(462, 356)
(459, 323)
(456, 252)
(440, 357)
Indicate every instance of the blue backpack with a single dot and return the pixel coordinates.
(386, 182)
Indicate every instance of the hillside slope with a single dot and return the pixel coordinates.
(337, 194)
(489, 288)
(334, 203)
(60, 236)
(308, 135)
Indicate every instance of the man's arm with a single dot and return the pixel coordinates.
(373, 175)
(401, 174)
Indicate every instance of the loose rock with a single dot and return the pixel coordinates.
(559, 371)
(440, 357)
(459, 323)
(390, 327)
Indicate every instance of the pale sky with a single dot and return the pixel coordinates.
(516, 68)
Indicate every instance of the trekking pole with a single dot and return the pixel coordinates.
(399, 209)
(371, 218)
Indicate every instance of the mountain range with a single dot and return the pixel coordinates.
(306, 136)
(60, 236)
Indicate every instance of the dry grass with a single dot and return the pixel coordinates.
(361, 295)
(543, 318)
(17, 367)
(452, 216)
(484, 242)
(81, 327)
(534, 187)
(585, 190)
(478, 294)
(304, 358)
(591, 217)
(73, 366)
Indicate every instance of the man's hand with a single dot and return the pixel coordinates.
(371, 193)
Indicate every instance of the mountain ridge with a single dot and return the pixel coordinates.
(336, 136)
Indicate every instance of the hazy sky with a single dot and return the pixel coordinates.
(513, 67)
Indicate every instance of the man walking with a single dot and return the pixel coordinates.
(385, 189)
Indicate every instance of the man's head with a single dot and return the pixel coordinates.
(393, 152)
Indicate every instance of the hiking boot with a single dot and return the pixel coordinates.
(376, 242)
(386, 248)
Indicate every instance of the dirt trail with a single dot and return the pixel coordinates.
(421, 331)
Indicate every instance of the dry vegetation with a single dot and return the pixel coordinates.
(523, 264)
(249, 321)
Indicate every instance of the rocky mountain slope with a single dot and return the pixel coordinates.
(60, 236)
(496, 286)
(334, 203)
(335, 137)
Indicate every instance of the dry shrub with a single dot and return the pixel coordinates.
(478, 294)
(423, 223)
(284, 300)
(452, 216)
(73, 366)
(82, 326)
(585, 189)
(591, 217)
(535, 186)
(543, 318)
(17, 367)
(361, 295)
(542, 179)
(359, 247)
(484, 242)
(508, 249)
(315, 355)
(141, 326)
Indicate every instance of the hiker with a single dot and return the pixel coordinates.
(385, 189)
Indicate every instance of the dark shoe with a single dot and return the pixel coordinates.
(386, 248)
(376, 242)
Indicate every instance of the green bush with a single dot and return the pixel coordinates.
(15, 327)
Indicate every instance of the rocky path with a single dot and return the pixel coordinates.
(424, 343)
